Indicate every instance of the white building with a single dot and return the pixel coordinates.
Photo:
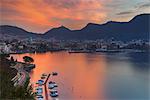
(5, 48)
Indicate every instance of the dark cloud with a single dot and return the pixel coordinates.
(125, 13)
(70, 4)
(63, 3)
(144, 5)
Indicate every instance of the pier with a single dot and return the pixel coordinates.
(43, 82)
(45, 86)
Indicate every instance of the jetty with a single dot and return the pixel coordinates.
(43, 82)
(45, 86)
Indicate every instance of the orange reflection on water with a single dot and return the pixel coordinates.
(80, 76)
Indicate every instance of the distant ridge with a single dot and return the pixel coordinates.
(16, 31)
(136, 28)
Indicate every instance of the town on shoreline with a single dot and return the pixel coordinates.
(73, 46)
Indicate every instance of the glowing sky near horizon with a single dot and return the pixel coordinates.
(42, 15)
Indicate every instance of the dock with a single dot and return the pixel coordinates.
(45, 86)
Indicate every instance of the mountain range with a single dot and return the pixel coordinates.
(136, 28)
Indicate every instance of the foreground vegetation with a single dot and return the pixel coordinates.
(7, 90)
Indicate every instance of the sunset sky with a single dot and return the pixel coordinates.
(42, 15)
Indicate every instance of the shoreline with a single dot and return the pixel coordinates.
(90, 51)
(22, 75)
(7, 73)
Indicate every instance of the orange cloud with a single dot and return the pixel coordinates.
(40, 15)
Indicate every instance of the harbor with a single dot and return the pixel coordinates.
(82, 76)
(45, 89)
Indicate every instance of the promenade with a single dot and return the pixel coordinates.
(22, 74)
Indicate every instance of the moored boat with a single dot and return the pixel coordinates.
(54, 73)
(53, 93)
(52, 85)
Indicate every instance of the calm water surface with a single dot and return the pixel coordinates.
(95, 76)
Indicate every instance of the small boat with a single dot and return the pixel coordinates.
(39, 88)
(53, 93)
(39, 91)
(42, 77)
(44, 74)
(52, 85)
(51, 82)
(54, 73)
(40, 82)
(40, 97)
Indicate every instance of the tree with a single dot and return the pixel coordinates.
(12, 59)
(28, 59)
(7, 89)
(24, 92)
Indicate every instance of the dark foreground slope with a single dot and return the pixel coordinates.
(7, 90)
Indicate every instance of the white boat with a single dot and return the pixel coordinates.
(53, 93)
(39, 91)
(40, 97)
(40, 82)
(52, 85)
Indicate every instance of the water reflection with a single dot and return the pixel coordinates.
(93, 76)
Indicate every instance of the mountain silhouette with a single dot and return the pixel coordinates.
(136, 28)
(16, 32)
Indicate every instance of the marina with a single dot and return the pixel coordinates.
(97, 76)
(41, 87)
(75, 50)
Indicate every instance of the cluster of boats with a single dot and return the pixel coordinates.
(39, 88)
(51, 86)
(39, 91)
(53, 91)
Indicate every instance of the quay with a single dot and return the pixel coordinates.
(45, 86)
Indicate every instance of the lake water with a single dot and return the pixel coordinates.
(95, 76)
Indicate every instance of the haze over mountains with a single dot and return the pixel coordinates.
(137, 28)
